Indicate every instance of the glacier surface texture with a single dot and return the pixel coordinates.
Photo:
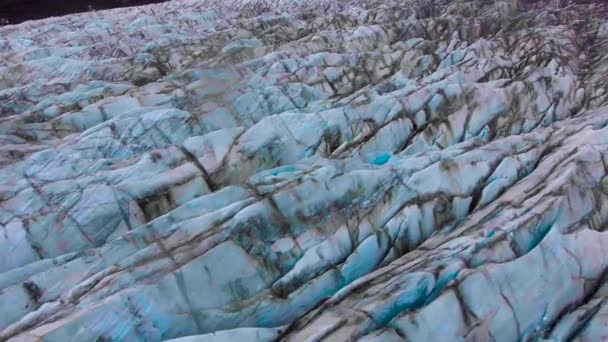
(319, 170)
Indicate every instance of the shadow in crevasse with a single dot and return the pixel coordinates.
(17, 11)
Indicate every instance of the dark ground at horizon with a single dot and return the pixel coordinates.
(17, 11)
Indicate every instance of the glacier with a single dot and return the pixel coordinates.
(284, 170)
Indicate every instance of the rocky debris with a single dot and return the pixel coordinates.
(319, 170)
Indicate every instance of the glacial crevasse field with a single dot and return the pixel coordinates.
(289, 170)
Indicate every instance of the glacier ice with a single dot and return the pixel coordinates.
(373, 170)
